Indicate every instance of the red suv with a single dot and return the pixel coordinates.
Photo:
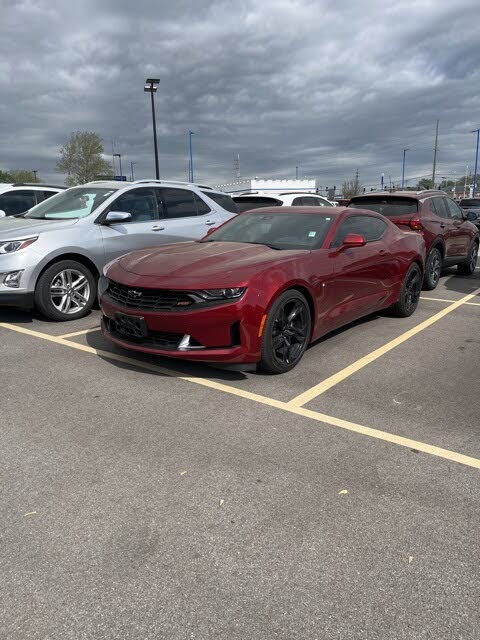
(450, 238)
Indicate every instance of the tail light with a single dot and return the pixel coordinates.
(414, 224)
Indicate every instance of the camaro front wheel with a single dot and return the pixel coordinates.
(286, 334)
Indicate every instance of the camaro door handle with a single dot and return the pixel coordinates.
(210, 222)
(157, 228)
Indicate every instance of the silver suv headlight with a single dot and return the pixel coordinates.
(10, 246)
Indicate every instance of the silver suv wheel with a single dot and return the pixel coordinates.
(69, 291)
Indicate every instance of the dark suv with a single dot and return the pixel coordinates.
(450, 237)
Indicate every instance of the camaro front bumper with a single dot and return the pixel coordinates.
(224, 333)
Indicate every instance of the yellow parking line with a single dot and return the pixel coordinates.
(80, 333)
(472, 304)
(321, 387)
(438, 452)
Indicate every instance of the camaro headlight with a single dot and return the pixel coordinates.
(222, 294)
(10, 246)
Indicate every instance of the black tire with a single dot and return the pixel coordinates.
(286, 337)
(78, 295)
(468, 268)
(433, 270)
(410, 294)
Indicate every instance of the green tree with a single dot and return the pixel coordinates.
(18, 175)
(81, 158)
(425, 183)
(23, 175)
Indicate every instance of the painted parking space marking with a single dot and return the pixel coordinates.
(340, 376)
(80, 333)
(472, 304)
(378, 434)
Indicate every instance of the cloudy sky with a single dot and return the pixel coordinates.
(328, 85)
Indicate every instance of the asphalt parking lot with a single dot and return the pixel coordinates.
(145, 498)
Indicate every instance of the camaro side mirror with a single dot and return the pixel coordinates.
(113, 217)
(2, 213)
(353, 240)
(470, 215)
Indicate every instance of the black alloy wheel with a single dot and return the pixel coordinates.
(468, 268)
(433, 270)
(287, 333)
(410, 293)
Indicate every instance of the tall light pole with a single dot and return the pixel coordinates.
(119, 156)
(35, 174)
(296, 172)
(190, 170)
(403, 166)
(477, 131)
(151, 86)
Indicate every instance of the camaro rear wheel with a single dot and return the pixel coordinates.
(410, 294)
(468, 268)
(433, 270)
(65, 291)
(286, 334)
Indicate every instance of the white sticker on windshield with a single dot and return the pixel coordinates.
(312, 234)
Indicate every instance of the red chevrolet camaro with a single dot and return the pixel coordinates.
(261, 287)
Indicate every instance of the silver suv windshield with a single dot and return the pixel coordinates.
(77, 202)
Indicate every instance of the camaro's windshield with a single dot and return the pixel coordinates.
(275, 230)
(78, 202)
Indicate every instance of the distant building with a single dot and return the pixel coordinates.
(268, 186)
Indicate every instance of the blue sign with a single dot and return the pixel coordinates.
(120, 178)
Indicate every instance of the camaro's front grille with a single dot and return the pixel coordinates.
(149, 299)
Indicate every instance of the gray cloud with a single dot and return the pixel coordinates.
(328, 86)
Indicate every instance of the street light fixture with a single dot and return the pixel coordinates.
(119, 156)
(403, 166)
(477, 131)
(151, 86)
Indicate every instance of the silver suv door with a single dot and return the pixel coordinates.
(184, 215)
(142, 231)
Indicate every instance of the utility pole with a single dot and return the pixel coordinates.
(236, 166)
(296, 172)
(435, 157)
(465, 185)
(403, 166)
(131, 170)
(477, 131)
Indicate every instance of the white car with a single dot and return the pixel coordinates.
(21, 196)
(261, 199)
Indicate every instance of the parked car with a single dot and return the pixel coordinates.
(450, 237)
(262, 287)
(247, 201)
(22, 196)
(473, 205)
(51, 257)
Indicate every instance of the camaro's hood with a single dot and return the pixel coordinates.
(193, 261)
(11, 227)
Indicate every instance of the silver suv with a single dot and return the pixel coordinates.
(52, 255)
